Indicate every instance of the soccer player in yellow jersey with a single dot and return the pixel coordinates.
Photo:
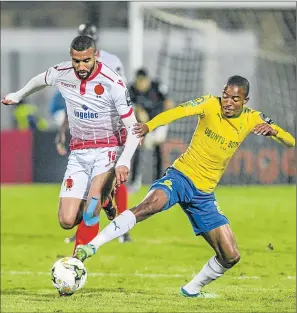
(224, 122)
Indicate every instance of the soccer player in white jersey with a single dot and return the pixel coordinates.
(57, 104)
(117, 203)
(100, 121)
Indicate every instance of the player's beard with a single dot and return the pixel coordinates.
(89, 73)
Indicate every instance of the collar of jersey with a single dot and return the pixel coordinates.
(93, 75)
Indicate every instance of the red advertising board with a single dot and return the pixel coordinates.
(16, 156)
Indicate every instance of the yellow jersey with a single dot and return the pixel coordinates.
(215, 139)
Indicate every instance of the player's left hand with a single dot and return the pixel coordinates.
(122, 173)
(265, 129)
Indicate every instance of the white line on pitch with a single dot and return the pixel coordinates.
(136, 274)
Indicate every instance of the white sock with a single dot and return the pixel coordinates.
(212, 270)
(119, 226)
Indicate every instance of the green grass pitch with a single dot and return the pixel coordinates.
(146, 275)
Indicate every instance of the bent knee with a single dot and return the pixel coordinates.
(67, 223)
(231, 259)
(70, 212)
(67, 220)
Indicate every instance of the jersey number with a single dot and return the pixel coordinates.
(111, 157)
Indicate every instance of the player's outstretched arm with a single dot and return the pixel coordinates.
(189, 108)
(165, 118)
(122, 167)
(276, 133)
(35, 84)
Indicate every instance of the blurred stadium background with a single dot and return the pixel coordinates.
(192, 48)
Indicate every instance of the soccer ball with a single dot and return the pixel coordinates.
(68, 275)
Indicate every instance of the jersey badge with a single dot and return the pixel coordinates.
(199, 100)
(68, 183)
(266, 119)
(99, 90)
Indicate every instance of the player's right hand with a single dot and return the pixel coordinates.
(60, 143)
(10, 99)
(121, 173)
(140, 129)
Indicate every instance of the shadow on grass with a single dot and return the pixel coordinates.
(47, 295)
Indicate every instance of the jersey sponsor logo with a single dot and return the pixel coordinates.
(221, 140)
(266, 119)
(214, 136)
(99, 90)
(128, 98)
(86, 115)
(68, 85)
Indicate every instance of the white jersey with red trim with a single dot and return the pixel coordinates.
(113, 62)
(95, 106)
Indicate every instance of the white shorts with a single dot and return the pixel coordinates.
(156, 137)
(83, 165)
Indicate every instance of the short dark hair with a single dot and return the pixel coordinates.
(142, 72)
(81, 43)
(240, 82)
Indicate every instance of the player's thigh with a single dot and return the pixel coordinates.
(174, 186)
(103, 173)
(222, 240)
(77, 177)
(74, 188)
(153, 203)
(204, 212)
(70, 212)
(73, 195)
(101, 185)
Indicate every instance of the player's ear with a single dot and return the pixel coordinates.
(97, 54)
(246, 100)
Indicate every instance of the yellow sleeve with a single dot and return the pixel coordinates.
(282, 136)
(192, 107)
